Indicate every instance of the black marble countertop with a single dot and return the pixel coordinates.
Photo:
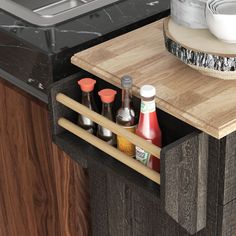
(33, 57)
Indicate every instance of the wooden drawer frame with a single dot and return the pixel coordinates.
(100, 144)
(183, 186)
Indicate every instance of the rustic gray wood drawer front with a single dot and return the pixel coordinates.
(189, 200)
(184, 181)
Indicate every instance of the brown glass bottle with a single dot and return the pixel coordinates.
(107, 97)
(126, 116)
(87, 86)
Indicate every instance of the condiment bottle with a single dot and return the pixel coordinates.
(126, 116)
(87, 86)
(107, 97)
(148, 127)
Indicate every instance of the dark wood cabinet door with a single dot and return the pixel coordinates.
(42, 191)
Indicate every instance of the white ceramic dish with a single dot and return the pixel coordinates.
(215, 4)
(227, 8)
(189, 13)
(222, 25)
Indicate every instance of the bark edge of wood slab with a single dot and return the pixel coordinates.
(199, 49)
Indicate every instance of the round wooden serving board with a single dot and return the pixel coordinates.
(199, 49)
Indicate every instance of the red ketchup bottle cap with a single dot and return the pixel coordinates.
(87, 84)
(107, 95)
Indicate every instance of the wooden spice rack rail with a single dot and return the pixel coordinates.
(102, 145)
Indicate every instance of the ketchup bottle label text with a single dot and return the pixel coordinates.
(142, 155)
(148, 107)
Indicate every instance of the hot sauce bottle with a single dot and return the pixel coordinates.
(126, 116)
(87, 86)
(107, 97)
(148, 127)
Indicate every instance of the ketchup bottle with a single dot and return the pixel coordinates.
(148, 127)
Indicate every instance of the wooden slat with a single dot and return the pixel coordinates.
(205, 103)
(98, 201)
(114, 152)
(184, 181)
(227, 182)
(101, 120)
(227, 219)
(122, 207)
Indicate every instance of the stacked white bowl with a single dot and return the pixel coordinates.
(221, 19)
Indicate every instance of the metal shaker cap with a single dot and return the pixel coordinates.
(126, 81)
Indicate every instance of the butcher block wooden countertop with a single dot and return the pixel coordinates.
(206, 103)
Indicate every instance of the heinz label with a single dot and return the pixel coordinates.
(142, 155)
(148, 107)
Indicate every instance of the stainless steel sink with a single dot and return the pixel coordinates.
(51, 12)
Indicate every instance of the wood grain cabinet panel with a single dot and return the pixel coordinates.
(42, 191)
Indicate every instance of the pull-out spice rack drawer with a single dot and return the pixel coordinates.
(126, 195)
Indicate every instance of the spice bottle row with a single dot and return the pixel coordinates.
(144, 125)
